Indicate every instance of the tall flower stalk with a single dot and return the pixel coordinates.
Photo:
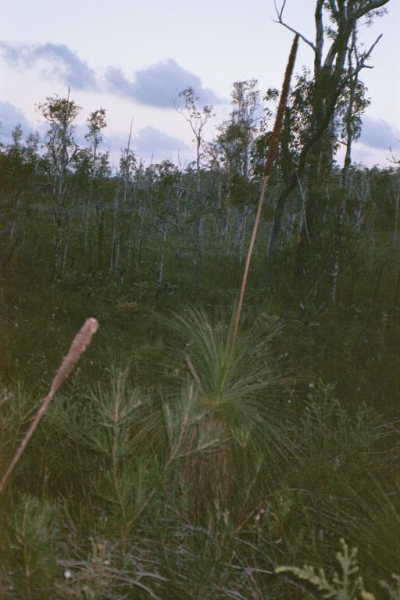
(272, 152)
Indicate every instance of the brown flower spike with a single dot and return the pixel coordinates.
(79, 344)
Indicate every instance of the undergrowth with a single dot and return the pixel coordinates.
(200, 486)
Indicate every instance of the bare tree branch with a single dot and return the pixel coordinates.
(319, 37)
(279, 14)
(365, 56)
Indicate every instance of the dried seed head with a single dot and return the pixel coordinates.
(79, 344)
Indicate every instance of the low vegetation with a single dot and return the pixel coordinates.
(192, 454)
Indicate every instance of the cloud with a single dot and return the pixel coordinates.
(61, 63)
(378, 134)
(159, 85)
(371, 157)
(10, 116)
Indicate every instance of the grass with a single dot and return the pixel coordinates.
(191, 468)
(199, 486)
(175, 465)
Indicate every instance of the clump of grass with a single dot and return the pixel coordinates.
(373, 517)
(228, 415)
(32, 537)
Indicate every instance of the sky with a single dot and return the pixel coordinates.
(134, 57)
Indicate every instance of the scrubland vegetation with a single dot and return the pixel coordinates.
(176, 463)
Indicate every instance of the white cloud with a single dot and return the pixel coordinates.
(159, 84)
(56, 61)
(379, 134)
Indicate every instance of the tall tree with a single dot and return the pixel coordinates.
(335, 23)
(61, 148)
(17, 164)
(350, 116)
(235, 140)
(236, 135)
(60, 153)
(127, 166)
(197, 119)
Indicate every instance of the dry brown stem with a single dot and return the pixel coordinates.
(272, 151)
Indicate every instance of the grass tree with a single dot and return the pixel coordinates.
(227, 415)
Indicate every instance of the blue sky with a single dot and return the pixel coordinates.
(133, 58)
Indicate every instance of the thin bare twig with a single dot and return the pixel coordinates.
(365, 56)
(279, 14)
(79, 344)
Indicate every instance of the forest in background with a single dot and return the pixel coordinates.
(174, 463)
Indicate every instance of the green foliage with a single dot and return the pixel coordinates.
(327, 427)
(32, 539)
(343, 584)
(235, 384)
(200, 467)
(225, 416)
(373, 513)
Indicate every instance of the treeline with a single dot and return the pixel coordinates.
(66, 211)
